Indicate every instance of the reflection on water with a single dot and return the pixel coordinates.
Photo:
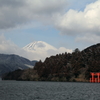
(26, 90)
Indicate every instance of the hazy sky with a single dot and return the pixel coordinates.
(61, 23)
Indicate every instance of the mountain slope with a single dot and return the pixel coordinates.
(39, 45)
(41, 50)
(75, 66)
(12, 62)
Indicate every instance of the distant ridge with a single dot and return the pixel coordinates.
(9, 63)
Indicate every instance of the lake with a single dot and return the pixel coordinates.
(30, 90)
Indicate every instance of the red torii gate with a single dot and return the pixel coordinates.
(95, 77)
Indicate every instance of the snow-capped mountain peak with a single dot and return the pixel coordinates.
(40, 50)
(39, 45)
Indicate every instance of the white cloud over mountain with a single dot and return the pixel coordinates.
(34, 51)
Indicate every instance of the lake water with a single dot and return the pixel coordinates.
(29, 90)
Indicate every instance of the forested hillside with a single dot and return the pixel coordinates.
(75, 66)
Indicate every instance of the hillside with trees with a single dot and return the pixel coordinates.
(75, 66)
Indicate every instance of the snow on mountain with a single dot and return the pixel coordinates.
(11, 62)
(39, 45)
(40, 50)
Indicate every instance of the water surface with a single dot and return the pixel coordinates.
(29, 90)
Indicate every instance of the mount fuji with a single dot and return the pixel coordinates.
(40, 50)
(38, 45)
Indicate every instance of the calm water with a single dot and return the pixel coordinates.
(17, 90)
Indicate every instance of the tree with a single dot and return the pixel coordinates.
(76, 50)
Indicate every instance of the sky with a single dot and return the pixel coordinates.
(61, 23)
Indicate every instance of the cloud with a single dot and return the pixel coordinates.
(42, 54)
(63, 50)
(15, 13)
(88, 38)
(19, 12)
(81, 23)
(8, 47)
(40, 45)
